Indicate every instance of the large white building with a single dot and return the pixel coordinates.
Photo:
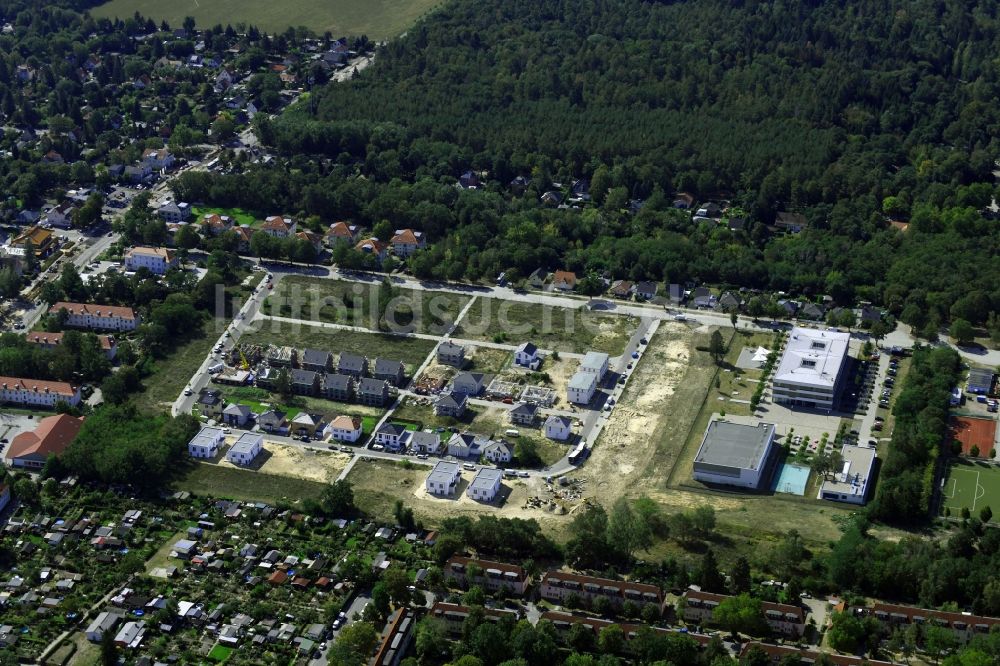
(158, 260)
(98, 317)
(581, 387)
(37, 392)
(732, 454)
(851, 482)
(811, 368)
(206, 443)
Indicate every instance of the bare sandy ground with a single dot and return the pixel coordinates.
(294, 461)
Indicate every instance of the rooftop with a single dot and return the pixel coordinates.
(735, 445)
(207, 436)
(444, 472)
(594, 360)
(247, 442)
(486, 478)
(581, 381)
(852, 479)
(813, 357)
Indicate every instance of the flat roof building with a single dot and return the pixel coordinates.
(733, 454)
(851, 482)
(980, 380)
(444, 478)
(485, 484)
(811, 368)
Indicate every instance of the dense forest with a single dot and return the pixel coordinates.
(852, 113)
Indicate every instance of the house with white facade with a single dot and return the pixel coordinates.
(443, 479)
(345, 428)
(97, 317)
(485, 485)
(392, 435)
(526, 356)
(278, 226)
(206, 443)
(158, 260)
(581, 387)
(246, 449)
(498, 453)
(558, 428)
(157, 159)
(37, 392)
(236, 414)
(407, 241)
(595, 363)
(174, 212)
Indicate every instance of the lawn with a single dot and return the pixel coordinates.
(564, 329)
(237, 484)
(379, 19)
(172, 373)
(356, 304)
(260, 400)
(972, 486)
(239, 215)
(411, 351)
(220, 653)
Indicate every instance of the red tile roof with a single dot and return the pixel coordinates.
(51, 437)
(39, 385)
(784, 609)
(502, 567)
(54, 339)
(94, 310)
(405, 236)
(568, 277)
(550, 577)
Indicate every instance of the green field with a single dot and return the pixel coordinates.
(239, 215)
(173, 372)
(411, 351)
(574, 330)
(972, 486)
(379, 19)
(356, 304)
(237, 484)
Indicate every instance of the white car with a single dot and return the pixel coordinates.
(188, 391)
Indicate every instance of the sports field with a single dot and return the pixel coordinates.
(972, 486)
(379, 19)
(972, 431)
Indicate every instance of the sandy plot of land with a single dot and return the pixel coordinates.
(625, 456)
(297, 462)
(559, 372)
(378, 484)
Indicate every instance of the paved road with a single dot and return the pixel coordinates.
(227, 340)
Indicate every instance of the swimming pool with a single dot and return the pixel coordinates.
(792, 480)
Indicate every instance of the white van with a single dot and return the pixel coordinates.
(511, 432)
(215, 367)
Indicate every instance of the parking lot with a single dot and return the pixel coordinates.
(11, 425)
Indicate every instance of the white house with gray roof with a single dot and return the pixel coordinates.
(581, 387)
(595, 363)
(558, 427)
(206, 443)
(246, 449)
(485, 485)
(443, 479)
